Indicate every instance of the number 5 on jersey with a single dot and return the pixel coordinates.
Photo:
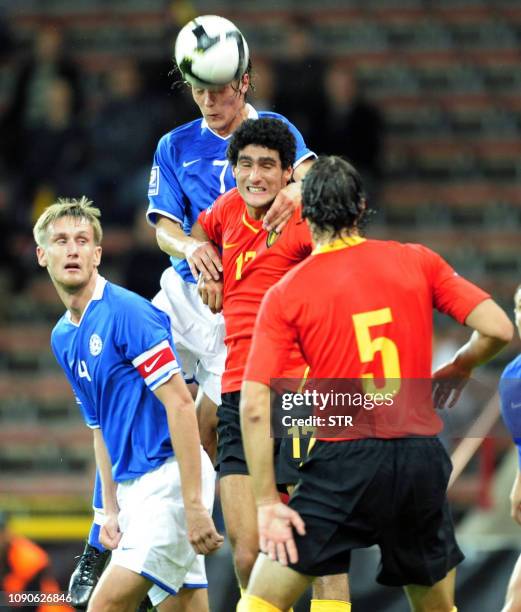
(368, 347)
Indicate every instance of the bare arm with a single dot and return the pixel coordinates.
(287, 200)
(109, 534)
(302, 169)
(515, 498)
(258, 443)
(275, 519)
(182, 423)
(200, 254)
(492, 332)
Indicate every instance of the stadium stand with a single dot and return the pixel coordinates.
(446, 77)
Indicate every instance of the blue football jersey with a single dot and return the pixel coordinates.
(191, 171)
(114, 358)
(510, 395)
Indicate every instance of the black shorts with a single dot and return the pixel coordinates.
(291, 454)
(230, 450)
(392, 493)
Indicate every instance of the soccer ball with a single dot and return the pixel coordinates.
(210, 52)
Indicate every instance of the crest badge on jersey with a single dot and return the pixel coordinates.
(153, 185)
(95, 345)
(272, 238)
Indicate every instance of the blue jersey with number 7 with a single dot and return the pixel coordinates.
(191, 170)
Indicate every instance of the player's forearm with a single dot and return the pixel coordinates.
(198, 233)
(185, 438)
(492, 332)
(104, 465)
(477, 351)
(302, 169)
(184, 434)
(173, 241)
(257, 440)
(201, 255)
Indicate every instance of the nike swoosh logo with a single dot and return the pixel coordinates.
(189, 163)
(229, 245)
(151, 366)
(514, 405)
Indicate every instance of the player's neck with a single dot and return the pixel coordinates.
(259, 212)
(322, 239)
(77, 299)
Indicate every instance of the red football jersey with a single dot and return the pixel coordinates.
(362, 314)
(253, 260)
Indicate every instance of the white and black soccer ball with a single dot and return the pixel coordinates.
(210, 51)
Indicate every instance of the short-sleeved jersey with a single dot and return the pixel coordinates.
(361, 308)
(253, 260)
(191, 170)
(119, 352)
(510, 395)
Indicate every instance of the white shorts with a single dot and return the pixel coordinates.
(198, 333)
(152, 521)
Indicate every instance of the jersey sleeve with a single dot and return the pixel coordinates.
(89, 414)
(143, 337)
(302, 152)
(273, 340)
(165, 195)
(452, 294)
(211, 222)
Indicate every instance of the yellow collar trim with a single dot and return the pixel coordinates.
(248, 225)
(339, 244)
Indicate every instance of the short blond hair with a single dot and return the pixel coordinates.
(64, 207)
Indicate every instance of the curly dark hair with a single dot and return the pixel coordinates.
(270, 133)
(333, 197)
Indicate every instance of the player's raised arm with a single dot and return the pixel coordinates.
(184, 434)
(201, 255)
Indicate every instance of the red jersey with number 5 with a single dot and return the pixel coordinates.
(362, 310)
(253, 260)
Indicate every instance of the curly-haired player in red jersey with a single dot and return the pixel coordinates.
(261, 154)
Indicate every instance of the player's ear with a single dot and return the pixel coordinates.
(97, 256)
(234, 171)
(41, 256)
(287, 174)
(245, 83)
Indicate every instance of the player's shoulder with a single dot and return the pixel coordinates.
(412, 250)
(180, 135)
(272, 115)
(512, 369)
(117, 297)
(63, 325)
